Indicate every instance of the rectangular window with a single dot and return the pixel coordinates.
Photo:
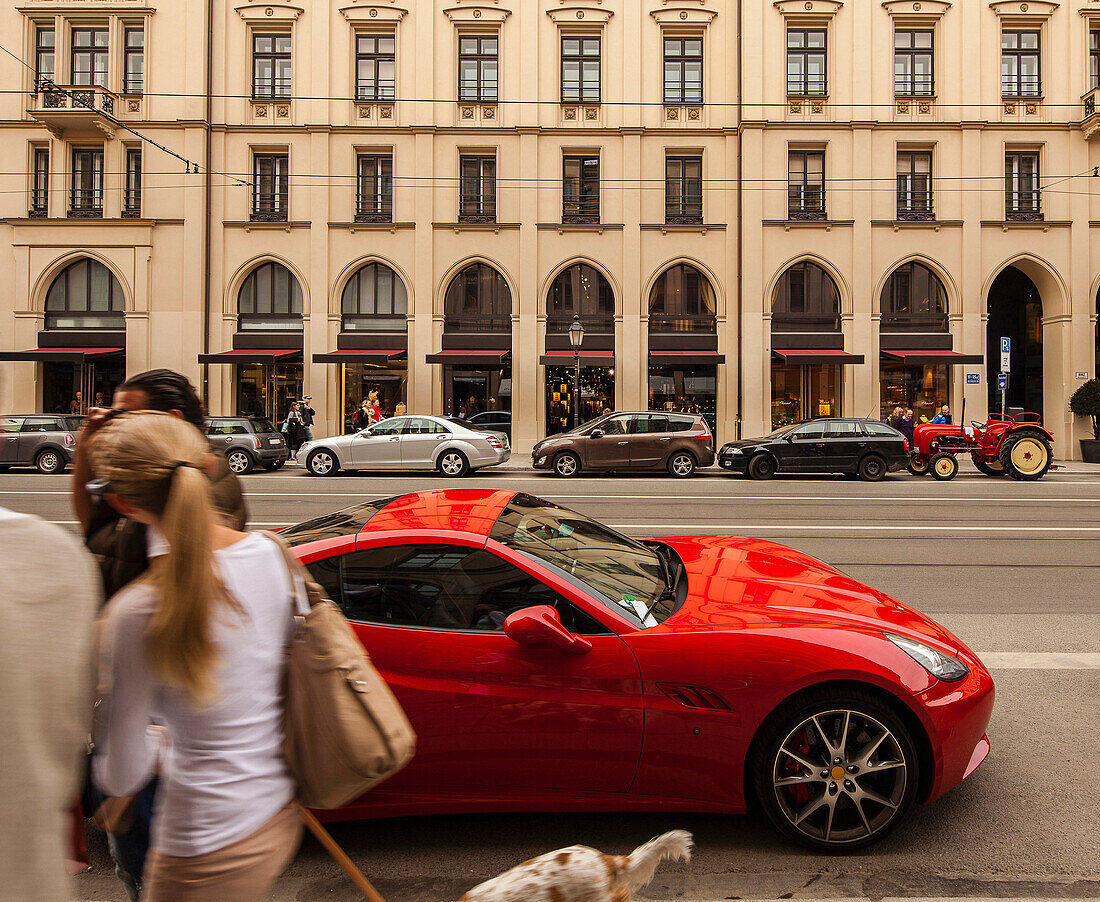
(806, 62)
(580, 189)
(1020, 64)
(270, 66)
(44, 47)
(87, 187)
(270, 187)
(580, 69)
(684, 70)
(915, 184)
(683, 190)
(477, 200)
(40, 182)
(89, 56)
(477, 68)
(806, 184)
(131, 202)
(913, 63)
(133, 79)
(375, 67)
(1022, 199)
(374, 188)
(1094, 59)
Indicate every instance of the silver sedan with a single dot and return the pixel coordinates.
(453, 447)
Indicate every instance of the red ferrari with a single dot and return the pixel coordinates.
(550, 663)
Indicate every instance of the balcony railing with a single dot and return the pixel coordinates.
(805, 322)
(477, 208)
(805, 202)
(913, 322)
(659, 322)
(271, 89)
(477, 322)
(85, 203)
(580, 208)
(374, 208)
(79, 98)
(267, 207)
(1090, 122)
(915, 199)
(594, 325)
(1023, 206)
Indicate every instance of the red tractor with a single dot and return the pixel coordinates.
(1018, 446)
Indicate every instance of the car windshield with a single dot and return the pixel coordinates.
(782, 430)
(73, 424)
(262, 424)
(621, 570)
(458, 421)
(344, 522)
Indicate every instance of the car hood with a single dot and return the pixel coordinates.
(750, 442)
(736, 582)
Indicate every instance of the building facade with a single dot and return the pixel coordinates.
(760, 212)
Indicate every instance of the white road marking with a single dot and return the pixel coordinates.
(1016, 660)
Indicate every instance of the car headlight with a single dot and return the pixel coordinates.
(733, 451)
(941, 666)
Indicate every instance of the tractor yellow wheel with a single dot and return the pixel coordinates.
(943, 467)
(1028, 457)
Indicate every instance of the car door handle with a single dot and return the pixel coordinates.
(396, 438)
(624, 443)
(667, 438)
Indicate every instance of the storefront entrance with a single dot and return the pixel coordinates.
(922, 389)
(597, 395)
(804, 392)
(267, 389)
(691, 389)
(1016, 312)
(74, 387)
(468, 391)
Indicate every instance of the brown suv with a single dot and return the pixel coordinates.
(676, 442)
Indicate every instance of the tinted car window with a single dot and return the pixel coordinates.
(680, 424)
(809, 432)
(615, 426)
(40, 424)
(388, 427)
(262, 425)
(646, 423)
(344, 522)
(881, 429)
(11, 424)
(234, 428)
(843, 429)
(421, 426)
(73, 424)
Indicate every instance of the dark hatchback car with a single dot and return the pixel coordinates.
(865, 447)
(248, 442)
(649, 440)
(42, 440)
(493, 421)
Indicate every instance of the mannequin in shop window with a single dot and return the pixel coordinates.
(373, 410)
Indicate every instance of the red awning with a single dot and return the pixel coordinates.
(816, 355)
(250, 355)
(471, 357)
(588, 358)
(61, 355)
(360, 356)
(932, 357)
(687, 358)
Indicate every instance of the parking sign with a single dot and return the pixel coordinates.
(1006, 344)
(1002, 381)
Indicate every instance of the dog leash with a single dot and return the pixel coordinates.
(340, 856)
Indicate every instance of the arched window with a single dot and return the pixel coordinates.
(477, 300)
(682, 300)
(270, 300)
(85, 295)
(374, 300)
(913, 300)
(806, 300)
(580, 290)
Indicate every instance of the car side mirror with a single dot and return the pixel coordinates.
(788, 437)
(596, 433)
(541, 626)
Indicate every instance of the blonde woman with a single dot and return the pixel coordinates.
(196, 645)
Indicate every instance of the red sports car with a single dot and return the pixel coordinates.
(550, 663)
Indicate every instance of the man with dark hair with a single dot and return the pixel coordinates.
(123, 549)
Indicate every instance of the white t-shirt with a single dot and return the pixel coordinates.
(224, 775)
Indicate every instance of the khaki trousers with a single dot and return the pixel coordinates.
(243, 871)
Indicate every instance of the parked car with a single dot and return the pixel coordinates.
(43, 440)
(548, 662)
(829, 445)
(649, 440)
(449, 445)
(248, 442)
(493, 420)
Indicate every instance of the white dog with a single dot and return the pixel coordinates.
(581, 874)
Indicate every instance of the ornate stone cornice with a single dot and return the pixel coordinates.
(259, 13)
(815, 9)
(916, 9)
(1028, 9)
(683, 14)
(373, 14)
(580, 13)
(484, 13)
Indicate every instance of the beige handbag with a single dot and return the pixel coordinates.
(345, 731)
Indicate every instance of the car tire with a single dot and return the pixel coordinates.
(823, 740)
(50, 462)
(943, 466)
(918, 465)
(322, 462)
(872, 468)
(240, 462)
(453, 463)
(992, 468)
(278, 465)
(567, 465)
(681, 464)
(762, 466)
(1026, 458)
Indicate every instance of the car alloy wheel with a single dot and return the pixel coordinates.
(838, 775)
(762, 467)
(49, 462)
(681, 464)
(567, 464)
(239, 462)
(453, 463)
(321, 463)
(872, 468)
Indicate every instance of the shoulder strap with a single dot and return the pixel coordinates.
(305, 596)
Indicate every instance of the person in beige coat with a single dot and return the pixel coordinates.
(47, 613)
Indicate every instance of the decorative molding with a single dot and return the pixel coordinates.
(263, 13)
(578, 14)
(679, 14)
(1089, 10)
(1032, 9)
(377, 13)
(483, 14)
(817, 9)
(916, 9)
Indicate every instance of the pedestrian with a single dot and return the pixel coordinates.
(897, 419)
(308, 416)
(907, 425)
(360, 420)
(373, 408)
(946, 412)
(943, 415)
(293, 428)
(48, 609)
(124, 548)
(199, 649)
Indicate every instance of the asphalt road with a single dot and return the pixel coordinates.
(1009, 567)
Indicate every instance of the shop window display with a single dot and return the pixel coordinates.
(597, 396)
(685, 390)
(383, 387)
(922, 389)
(804, 393)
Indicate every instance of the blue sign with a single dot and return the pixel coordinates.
(1002, 380)
(1006, 345)
(973, 379)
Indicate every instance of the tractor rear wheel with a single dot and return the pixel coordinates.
(1026, 458)
(943, 466)
(989, 467)
(918, 465)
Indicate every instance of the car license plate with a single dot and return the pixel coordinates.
(275, 441)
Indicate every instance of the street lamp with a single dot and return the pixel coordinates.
(576, 337)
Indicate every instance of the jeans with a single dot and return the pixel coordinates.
(130, 849)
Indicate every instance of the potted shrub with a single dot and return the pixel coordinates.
(1085, 402)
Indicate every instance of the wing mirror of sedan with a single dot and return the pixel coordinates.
(596, 433)
(541, 626)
